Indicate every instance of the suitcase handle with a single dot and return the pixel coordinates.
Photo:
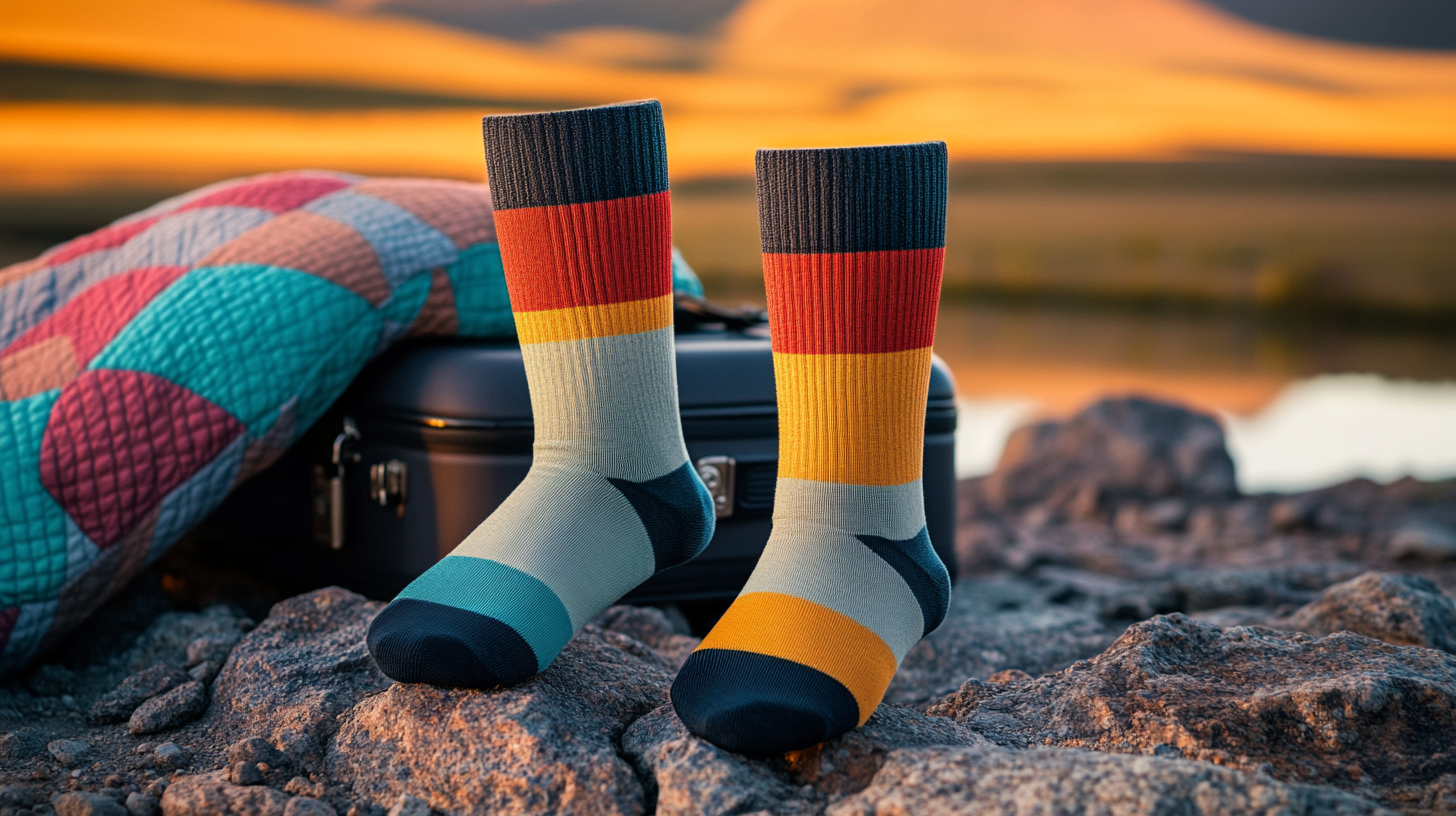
(691, 312)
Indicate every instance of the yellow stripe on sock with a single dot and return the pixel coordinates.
(783, 626)
(581, 322)
(852, 418)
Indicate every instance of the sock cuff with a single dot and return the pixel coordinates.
(575, 156)
(854, 199)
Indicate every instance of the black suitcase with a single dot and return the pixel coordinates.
(435, 434)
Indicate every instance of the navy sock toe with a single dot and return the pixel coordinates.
(760, 705)
(416, 641)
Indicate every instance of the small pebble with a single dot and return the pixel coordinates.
(307, 806)
(70, 752)
(256, 749)
(299, 786)
(156, 788)
(171, 756)
(141, 804)
(245, 773)
(80, 803)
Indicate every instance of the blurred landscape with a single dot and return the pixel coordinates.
(1239, 205)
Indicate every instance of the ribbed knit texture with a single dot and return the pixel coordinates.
(853, 249)
(583, 219)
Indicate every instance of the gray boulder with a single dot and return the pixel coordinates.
(546, 745)
(1126, 447)
(1063, 782)
(1406, 610)
(1344, 710)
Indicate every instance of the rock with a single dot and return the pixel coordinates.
(118, 704)
(15, 797)
(848, 764)
(245, 773)
(299, 786)
(176, 708)
(212, 648)
(687, 775)
(1344, 710)
(992, 625)
(141, 804)
(548, 744)
(1423, 541)
(290, 678)
(210, 794)
(170, 756)
(80, 803)
(156, 788)
(1061, 782)
(22, 743)
(1128, 447)
(171, 635)
(205, 672)
(407, 805)
(254, 750)
(653, 627)
(1402, 609)
(306, 806)
(69, 752)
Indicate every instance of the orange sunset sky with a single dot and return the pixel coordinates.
(996, 79)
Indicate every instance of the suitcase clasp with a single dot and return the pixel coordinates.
(345, 450)
(717, 475)
(389, 484)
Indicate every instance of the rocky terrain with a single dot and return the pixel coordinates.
(1129, 636)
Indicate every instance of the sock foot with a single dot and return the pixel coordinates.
(424, 642)
(759, 705)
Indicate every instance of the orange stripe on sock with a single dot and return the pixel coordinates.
(852, 418)
(587, 254)
(800, 630)
(853, 302)
(580, 322)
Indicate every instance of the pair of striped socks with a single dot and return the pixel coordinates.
(853, 243)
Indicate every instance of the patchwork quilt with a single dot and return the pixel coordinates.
(150, 366)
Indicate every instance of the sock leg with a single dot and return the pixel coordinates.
(853, 245)
(581, 209)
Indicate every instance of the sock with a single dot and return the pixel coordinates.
(582, 213)
(853, 243)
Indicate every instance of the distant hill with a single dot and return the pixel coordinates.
(249, 82)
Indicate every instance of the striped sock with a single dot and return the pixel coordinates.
(853, 244)
(582, 212)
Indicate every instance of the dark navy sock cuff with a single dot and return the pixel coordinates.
(576, 156)
(853, 199)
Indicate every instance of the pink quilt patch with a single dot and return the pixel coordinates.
(278, 194)
(119, 441)
(95, 316)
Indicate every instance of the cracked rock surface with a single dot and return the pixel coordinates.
(1128, 636)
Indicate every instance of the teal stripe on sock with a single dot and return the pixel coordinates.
(510, 596)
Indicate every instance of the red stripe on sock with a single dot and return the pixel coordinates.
(587, 254)
(853, 302)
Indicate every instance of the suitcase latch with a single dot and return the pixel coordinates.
(717, 475)
(345, 451)
(389, 484)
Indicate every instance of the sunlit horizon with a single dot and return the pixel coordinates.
(1037, 80)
